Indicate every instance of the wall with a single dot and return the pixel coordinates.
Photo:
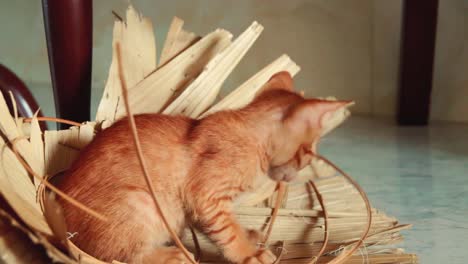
(450, 83)
(346, 48)
(386, 31)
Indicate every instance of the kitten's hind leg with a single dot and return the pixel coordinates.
(166, 255)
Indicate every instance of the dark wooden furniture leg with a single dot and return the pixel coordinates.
(417, 59)
(69, 33)
(25, 102)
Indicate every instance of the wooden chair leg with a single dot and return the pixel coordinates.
(417, 61)
(69, 33)
(25, 102)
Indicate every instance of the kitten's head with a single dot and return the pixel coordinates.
(303, 121)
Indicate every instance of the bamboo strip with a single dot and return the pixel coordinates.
(331, 195)
(329, 186)
(14, 185)
(323, 183)
(15, 114)
(293, 230)
(309, 233)
(266, 211)
(338, 187)
(344, 206)
(37, 147)
(58, 154)
(62, 147)
(246, 92)
(7, 123)
(153, 93)
(53, 214)
(390, 232)
(334, 206)
(139, 51)
(295, 251)
(203, 91)
(300, 251)
(375, 259)
(177, 40)
(9, 128)
(19, 180)
(300, 192)
(296, 225)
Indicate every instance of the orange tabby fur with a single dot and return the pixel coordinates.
(198, 168)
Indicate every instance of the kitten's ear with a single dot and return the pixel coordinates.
(312, 115)
(281, 80)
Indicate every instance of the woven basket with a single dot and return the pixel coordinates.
(186, 81)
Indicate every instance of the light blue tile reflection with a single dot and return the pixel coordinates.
(417, 174)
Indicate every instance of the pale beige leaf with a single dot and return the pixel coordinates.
(177, 40)
(60, 149)
(9, 164)
(246, 92)
(203, 91)
(86, 134)
(19, 191)
(37, 147)
(15, 113)
(153, 93)
(53, 214)
(138, 46)
(30, 151)
(7, 123)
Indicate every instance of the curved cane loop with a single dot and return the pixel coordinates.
(282, 250)
(198, 252)
(136, 141)
(54, 119)
(346, 254)
(279, 199)
(281, 186)
(325, 217)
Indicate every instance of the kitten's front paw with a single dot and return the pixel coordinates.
(283, 173)
(254, 236)
(261, 257)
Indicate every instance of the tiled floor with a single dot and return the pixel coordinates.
(417, 174)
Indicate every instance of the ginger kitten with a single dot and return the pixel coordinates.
(198, 168)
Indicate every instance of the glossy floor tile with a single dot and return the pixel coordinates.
(417, 174)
